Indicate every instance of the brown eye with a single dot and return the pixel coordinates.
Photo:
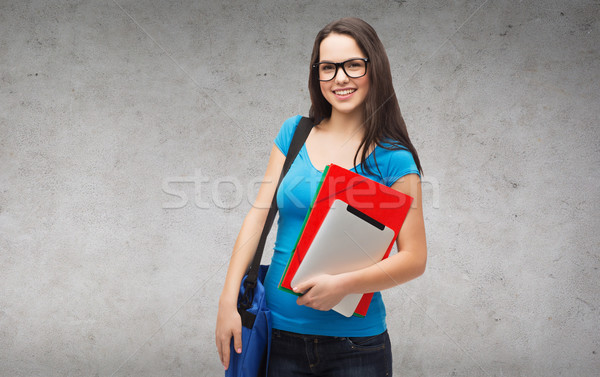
(327, 67)
(355, 65)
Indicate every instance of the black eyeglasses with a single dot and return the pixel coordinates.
(353, 68)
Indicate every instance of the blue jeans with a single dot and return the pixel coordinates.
(329, 356)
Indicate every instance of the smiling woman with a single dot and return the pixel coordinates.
(358, 126)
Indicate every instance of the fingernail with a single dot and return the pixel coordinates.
(239, 350)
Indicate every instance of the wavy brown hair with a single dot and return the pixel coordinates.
(383, 120)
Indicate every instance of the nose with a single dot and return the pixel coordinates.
(341, 76)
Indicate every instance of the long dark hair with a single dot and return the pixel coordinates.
(383, 120)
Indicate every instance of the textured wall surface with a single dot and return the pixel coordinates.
(132, 134)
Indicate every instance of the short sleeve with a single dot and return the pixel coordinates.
(399, 163)
(284, 137)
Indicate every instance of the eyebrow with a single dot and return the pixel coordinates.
(331, 61)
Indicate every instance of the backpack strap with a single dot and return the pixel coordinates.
(300, 135)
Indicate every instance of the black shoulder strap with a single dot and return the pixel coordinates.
(300, 135)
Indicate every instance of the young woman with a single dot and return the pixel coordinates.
(358, 125)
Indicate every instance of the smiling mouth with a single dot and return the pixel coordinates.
(344, 92)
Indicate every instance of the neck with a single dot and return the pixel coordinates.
(346, 123)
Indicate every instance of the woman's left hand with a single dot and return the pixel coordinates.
(322, 292)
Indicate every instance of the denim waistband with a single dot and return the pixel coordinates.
(277, 332)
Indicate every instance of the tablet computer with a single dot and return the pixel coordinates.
(347, 240)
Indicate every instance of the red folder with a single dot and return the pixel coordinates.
(374, 199)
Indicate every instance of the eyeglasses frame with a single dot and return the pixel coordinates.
(341, 65)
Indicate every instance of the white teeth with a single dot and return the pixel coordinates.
(344, 92)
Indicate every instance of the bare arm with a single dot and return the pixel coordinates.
(327, 290)
(228, 320)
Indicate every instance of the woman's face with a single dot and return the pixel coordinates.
(345, 94)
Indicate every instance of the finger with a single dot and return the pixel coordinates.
(224, 353)
(237, 341)
(303, 300)
(218, 344)
(299, 288)
(302, 288)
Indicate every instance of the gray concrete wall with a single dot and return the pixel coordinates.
(131, 133)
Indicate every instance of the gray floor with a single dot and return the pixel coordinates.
(132, 134)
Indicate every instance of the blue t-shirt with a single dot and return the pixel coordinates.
(294, 198)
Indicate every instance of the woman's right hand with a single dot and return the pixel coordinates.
(229, 324)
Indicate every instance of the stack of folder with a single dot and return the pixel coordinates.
(352, 224)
